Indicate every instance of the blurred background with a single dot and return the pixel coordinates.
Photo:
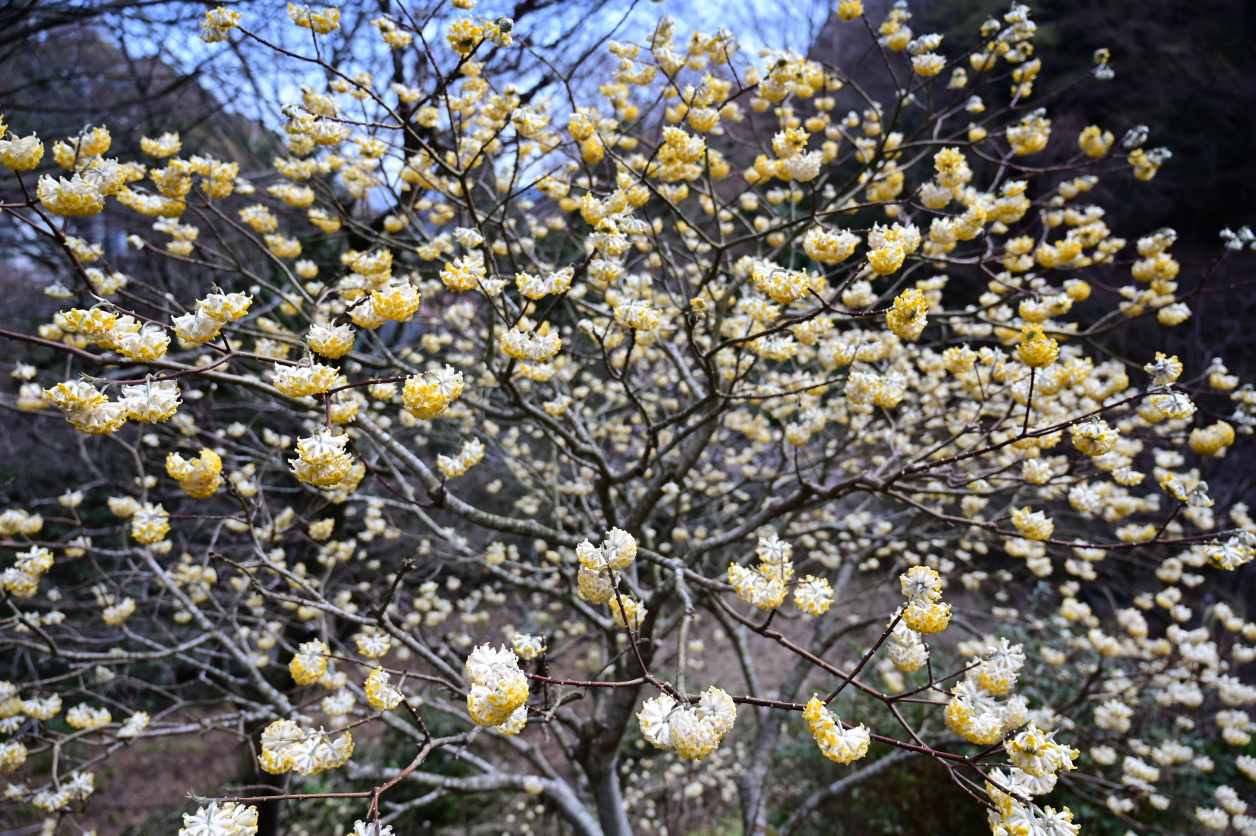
(1184, 68)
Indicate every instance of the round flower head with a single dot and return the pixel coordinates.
(785, 286)
(907, 317)
(150, 524)
(299, 381)
(372, 643)
(1038, 754)
(310, 662)
(151, 402)
(829, 246)
(887, 258)
(997, 673)
(920, 583)
(630, 615)
(226, 307)
(757, 588)
(198, 477)
(498, 687)
(428, 395)
(653, 718)
(1033, 526)
(528, 647)
(12, 756)
(321, 459)
(813, 595)
(144, 345)
(692, 737)
(334, 341)
(926, 617)
(197, 327)
(907, 651)
(278, 740)
(974, 722)
(1094, 437)
(317, 753)
(76, 196)
(396, 302)
(1209, 441)
(619, 549)
(1172, 404)
(594, 586)
(86, 718)
(21, 154)
(134, 725)
(381, 695)
(1036, 350)
(717, 707)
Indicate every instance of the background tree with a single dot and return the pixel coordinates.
(611, 344)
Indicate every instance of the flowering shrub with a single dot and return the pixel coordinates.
(690, 373)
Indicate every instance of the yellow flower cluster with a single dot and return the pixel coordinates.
(21, 580)
(468, 456)
(837, 742)
(813, 595)
(87, 408)
(211, 314)
(199, 477)
(907, 317)
(150, 524)
(764, 586)
(539, 345)
(1036, 349)
(428, 395)
(286, 747)
(303, 380)
(381, 695)
(498, 687)
(628, 613)
(974, 711)
(1034, 525)
(1037, 754)
(310, 662)
(372, 642)
(692, 731)
(924, 612)
(85, 718)
(334, 341)
(21, 153)
(322, 460)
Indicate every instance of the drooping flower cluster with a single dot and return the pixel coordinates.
(693, 731)
(598, 565)
(21, 580)
(199, 477)
(837, 742)
(211, 314)
(228, 819)
(286, 747)
(924, 613)
(974, 710)
(764, 586)
(469, 455)
(381, 695)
